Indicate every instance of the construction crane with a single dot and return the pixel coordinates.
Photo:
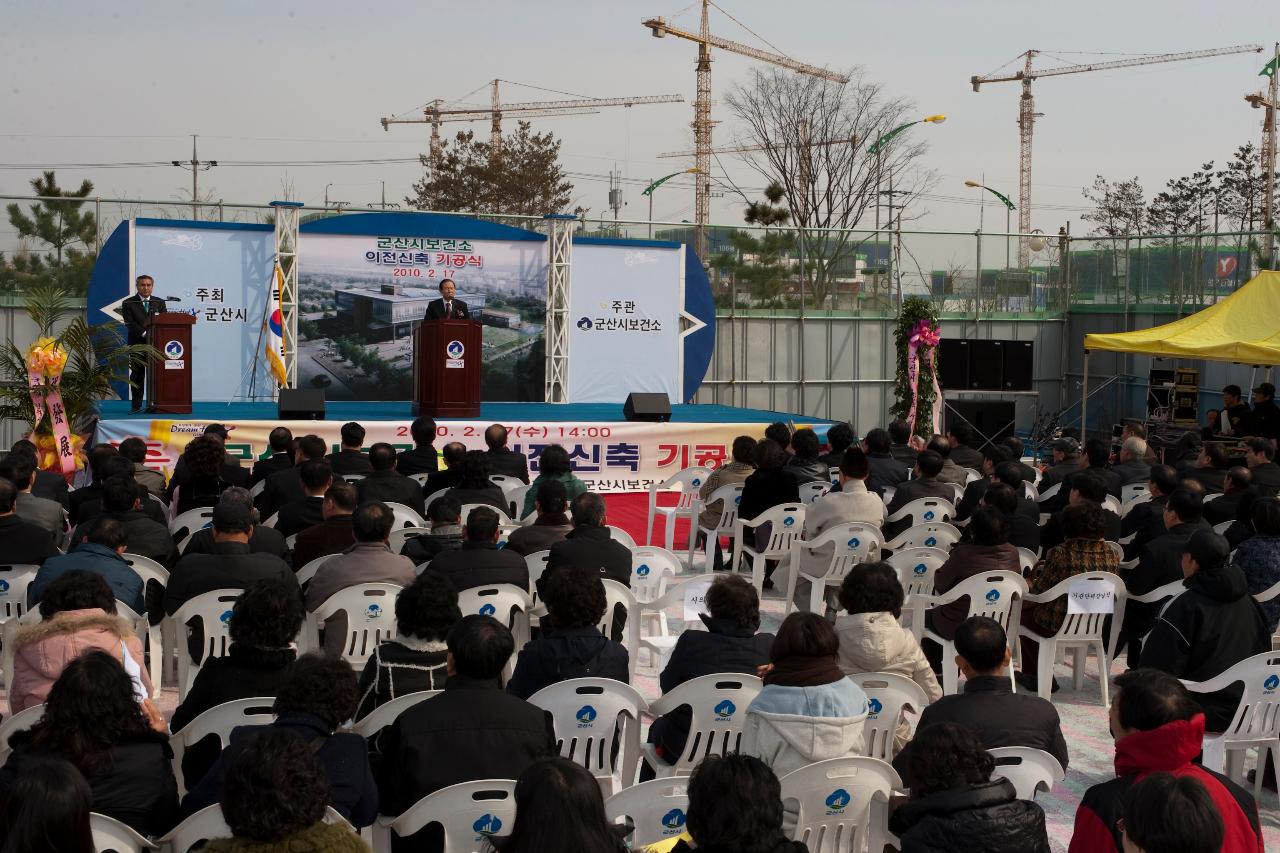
(1271, 102)
(435, 114)
(702, 123)
(1027, 114)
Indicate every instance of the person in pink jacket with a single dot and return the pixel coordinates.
(78, 613)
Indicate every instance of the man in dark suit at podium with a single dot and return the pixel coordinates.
(448, 306)
(138, 312)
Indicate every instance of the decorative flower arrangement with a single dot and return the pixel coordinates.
(918, 395)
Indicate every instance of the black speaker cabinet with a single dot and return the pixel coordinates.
(953, 364)
(1019, 365)
(301, 404)
(644, 406)
(992, 419)
(986, 365)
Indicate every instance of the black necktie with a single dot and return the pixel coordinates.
(448, 308)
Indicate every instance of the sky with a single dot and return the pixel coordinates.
(281, 82)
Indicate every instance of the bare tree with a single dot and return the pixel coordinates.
(812, 137)
(1119, 207)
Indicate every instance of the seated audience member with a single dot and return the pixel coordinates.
(1066, 460)
(280, 440)
(735, 804)
(1145, 521)
(480, 562)
(1185, 453)
(992, 456)
(925, 484)
(100, 553)
(900, 443)
(731, 643)
(987, 704)
(473, 730)
(122, 500)
(94, 719)
(115, 466)
(415, 659)
(1083, 550)
(871, 640)
(1241, 529)
(265, 621)
(840, 438)
(808, 710)
(78, 610)
(285, 486)
(46, 809)
(422, 459)
(1132, 466)
(988, 551)
(1158, 728)
(42, 512)
(571, 644)
(24, 543)
(276, 797)
(1095, 460)
(307, 511)
(45, 484)
(1234, 488)
(888, 469)
(1211, 467)
(317, 696)
(549, 527)
(384, 483)
(1167, 812)
(1083, 486)
(1260, 456)
(206, 463)
(349, 457)
(503, 461)
(734, 472)
(369, 560)
(805, 466)
(1208, 629)
(956, 806)
(780, 433)
(768, 486)
(1016, 449)
(590, 544)
(475, 487)
(1258, 557)
(960, 437)
(263, 540)
(134, 449)
(553, 464)
(84, 491)
(1023, 530)
(447, 534)
(559, 807)
(333, 535)
(438, 481)
(951, 473)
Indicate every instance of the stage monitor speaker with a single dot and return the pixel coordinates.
(1019, 365)
(986, 365)
(645, 406)
(953, 367)
(992, 420)
(301, 404)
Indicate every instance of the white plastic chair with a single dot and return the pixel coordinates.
(1079, 631)
(1256, 724)
(617, 595)
(1117, 549)
(426, 505)
(420, 479)
(1049, 493)
(507, 603)
(506, 483)
(1029, 769)
(1267, 595)
(651, 567)
(370, 609)
(719, 705)
(352, 478)
(888, 695)
(1027, 558)
(940, 535)
(916, 567)
(591, 716)
(786, 524)
(307, 572)
(385, 714)
(19, 722)
(111, 834)
(835, 799)
(206, 824)
(1159, 595)
(924, 511)
(1112, 503)
(810, 492)
(503, 519)
(536, 564)
(656, 809)
(1029, 491)
(190, 521)
(213, 610)
(1222, 526)
(218, 721)
(686, 482)
(1131, 493)
(656, 637)
(158, 647)
(996, 595)
(14, 580)
(617, 534)
(257, 488)
(405, 516)
(851, 543)
(729, 497)
(396, 540)
(515, 503)
(467, 813)
(270, 522)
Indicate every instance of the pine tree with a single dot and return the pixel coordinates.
(67, 234)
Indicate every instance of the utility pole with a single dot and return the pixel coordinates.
(896, 226)
(196, 165)
(615, 194)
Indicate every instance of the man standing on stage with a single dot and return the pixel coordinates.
(447, 307)
(138, 312)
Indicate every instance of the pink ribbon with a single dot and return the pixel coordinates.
(49, 394)
(926, 337)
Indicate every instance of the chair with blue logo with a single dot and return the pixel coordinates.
(786, 523)
(1256, 724)
(1079, 631)
(835, 800)
(810, 492)
(915, 568)
(591, 716)
(19, 722)
(996, 595)
(405, 516)
(190, 521)
(656, 811)
(110, 834)
(212, 610)
(931, 535)
(728, 497)
(370, 610)
(617, 534)
(656, 636)
(924, 511)
(507, 603)
(686, 483)
(1030, 770)
(888, 695)
(651, 568)
(850, 543)
(719, 704)
(218, 722)
(14, 580)
(467, 813)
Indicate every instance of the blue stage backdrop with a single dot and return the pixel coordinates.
(643, 314)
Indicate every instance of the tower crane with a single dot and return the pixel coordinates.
(702, 123)
(1027, 114)
(435, 114)
(1271, 102)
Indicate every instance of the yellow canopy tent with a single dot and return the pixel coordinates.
(1244, 328)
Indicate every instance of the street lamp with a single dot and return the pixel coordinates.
(1008, 209)
(653, 186)
(882, 141)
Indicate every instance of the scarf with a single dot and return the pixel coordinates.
(799, 671)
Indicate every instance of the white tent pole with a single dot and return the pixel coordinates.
(1084, 401)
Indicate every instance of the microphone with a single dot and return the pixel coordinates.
(169, 298)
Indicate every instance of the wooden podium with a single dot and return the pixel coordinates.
(170, 375)
(446, 369)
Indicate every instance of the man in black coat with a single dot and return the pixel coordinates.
(138, 312)
(333, 535)
(1211, 467)
(480, 562)
(839, 438)
(285, 486)
(263, 540)
(47, 484)
(122, 500)
(1086, 485)
(1235, 487)
(502, 460)
(448, 306)
(886, 469)
(900, 444)
(384, 483)
(1023, 530)
(453, 452)
(230, 471)
(992, 455)
(1260, 456)
(281, 459)
(1016, 449)
(422, 459)
(1094, 463)
(296, 516)
(473, 730)
(925, 484)
(590, 544)
(1145, 521)
(24, 543)
(1264, 420)
(960, 434)
(988, 705)
(1066, 460)
(349, 458)
(1132, 466)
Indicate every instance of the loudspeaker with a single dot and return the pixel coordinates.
(1019, 365)
(301, 404)
(953, 366)
(986, 365)
(991, 419)
(643, 406)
